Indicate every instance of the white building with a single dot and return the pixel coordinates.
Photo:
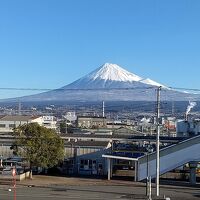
(7, 123)
(70, 116)
(49, 122)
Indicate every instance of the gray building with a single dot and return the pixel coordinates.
(85, 158)
(186, 128)
(91, 122)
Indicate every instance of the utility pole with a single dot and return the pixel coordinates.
(158, 143)
(103, 105)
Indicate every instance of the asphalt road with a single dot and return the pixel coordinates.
(103, 190)
(71, 193)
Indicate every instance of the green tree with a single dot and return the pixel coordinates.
(42, 147)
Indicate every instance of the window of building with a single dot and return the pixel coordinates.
(86, 164)
(46, 123)
(11, 125)
(2, 125)
(90, 164)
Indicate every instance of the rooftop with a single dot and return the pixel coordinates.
(91, 117)
(17, 118)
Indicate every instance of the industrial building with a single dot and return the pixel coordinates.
(188, 128)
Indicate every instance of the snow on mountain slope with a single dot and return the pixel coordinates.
(111, 76)
(113, 72)
(151, 82)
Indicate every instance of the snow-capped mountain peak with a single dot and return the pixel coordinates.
(113, 72)
(111, 76)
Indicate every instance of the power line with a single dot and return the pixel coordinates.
(71, 89)
(125, 88)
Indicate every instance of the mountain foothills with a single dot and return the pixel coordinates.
(110, 82)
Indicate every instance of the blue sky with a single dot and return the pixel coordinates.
(50, 43)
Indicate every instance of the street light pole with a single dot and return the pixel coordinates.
(158, 143)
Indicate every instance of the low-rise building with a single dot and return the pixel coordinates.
(9, 122)
(187, 128)
(49, 122)
(85, 157)
(91, 122)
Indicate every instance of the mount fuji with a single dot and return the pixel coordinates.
(111, 76)
(109, 82)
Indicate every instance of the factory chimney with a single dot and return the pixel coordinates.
(191, 105)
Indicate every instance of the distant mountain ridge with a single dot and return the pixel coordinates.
(110, 82)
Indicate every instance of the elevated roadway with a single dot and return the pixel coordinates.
(171, 158)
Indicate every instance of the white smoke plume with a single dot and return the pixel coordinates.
(191, 105)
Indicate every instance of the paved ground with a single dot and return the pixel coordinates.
(47, 188)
